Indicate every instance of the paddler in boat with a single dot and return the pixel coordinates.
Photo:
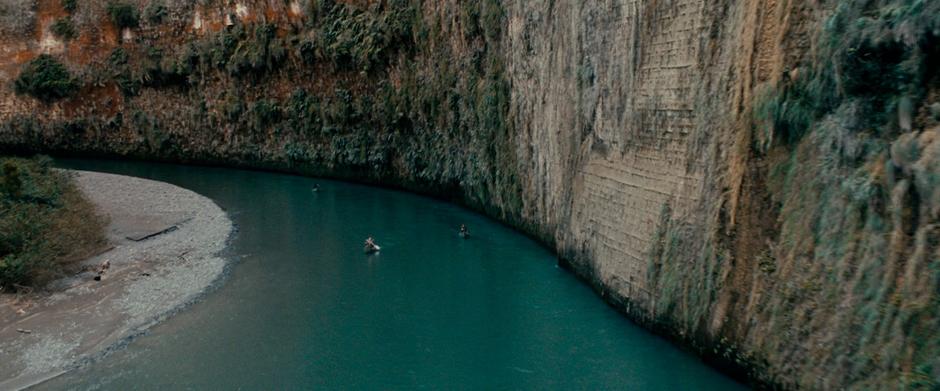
(371, 247)
(464, 233)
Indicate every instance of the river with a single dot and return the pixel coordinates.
(304, 308)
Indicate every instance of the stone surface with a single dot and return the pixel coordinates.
(628, 146)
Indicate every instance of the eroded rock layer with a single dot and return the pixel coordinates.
(757, 180)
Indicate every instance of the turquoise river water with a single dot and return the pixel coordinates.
(304, 308)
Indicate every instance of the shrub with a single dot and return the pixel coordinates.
(873, 55)
(356, 39)
(162, 71)
(308, 50)
(266, 112)
(234, 108)
(64, 29)
(155, 12)
(123, 15)
(70, 5)
(302, 112)
(45, 79)
(121, 73)
(256, 53)
(44, 222)
(118, 58)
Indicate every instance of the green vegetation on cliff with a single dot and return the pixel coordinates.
(821, 267)
(64, 29)
(155, 12)
(879, 57)
(123, 15)
(374, 90)
(856, 180)
(351, 38)
(46, 79)
(846, 259)
(45, 223)
(70, 5)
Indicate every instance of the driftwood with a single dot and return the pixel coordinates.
(144, 236)
(141, 238)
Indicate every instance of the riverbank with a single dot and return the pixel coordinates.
(166, 242)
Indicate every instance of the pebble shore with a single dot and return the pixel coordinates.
(46, 334)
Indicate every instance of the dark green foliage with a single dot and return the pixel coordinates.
(355, 39)
(150, 69)
(792, 110)
(493, 19)
(265, 113)
(254, 53)
(399, 19)
(308, 51)
(854, 193)
(45, 223)
(64, 29)
(155, 12)
(30, 196)
(302, 111)
(45, 79)
(158, 71)
(482, 19)
(187, 60)
(28, 181)
(123, 15)
(340, 108)
(874, 68)
(243, 51)
(121, 72)
(870, 55)
(156, 139)
(471, 19)
(70, 5)
(118, 58)
(76, 127)
(234, 109)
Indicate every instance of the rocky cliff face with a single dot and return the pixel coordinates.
(758, 180)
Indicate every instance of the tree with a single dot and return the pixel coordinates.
(123, 15)
(46, 79)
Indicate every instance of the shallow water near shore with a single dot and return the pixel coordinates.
(305, 308)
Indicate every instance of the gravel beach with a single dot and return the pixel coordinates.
(166, 243)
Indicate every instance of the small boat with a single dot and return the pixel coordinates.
(464, 234)
(372, 249)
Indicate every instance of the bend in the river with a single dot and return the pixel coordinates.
(305, 308)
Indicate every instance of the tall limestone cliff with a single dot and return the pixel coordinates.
(758, 180)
